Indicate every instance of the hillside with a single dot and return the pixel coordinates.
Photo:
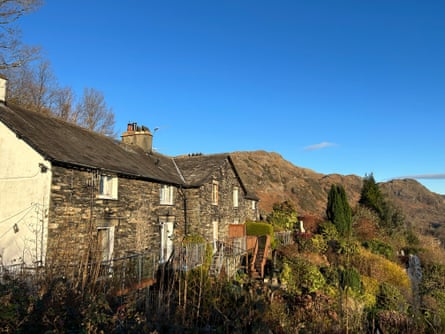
(275, 179)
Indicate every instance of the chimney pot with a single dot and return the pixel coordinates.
(134, 136)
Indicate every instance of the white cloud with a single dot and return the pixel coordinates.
(319, 146)
(423, 177)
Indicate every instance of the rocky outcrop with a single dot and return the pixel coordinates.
(275, 179)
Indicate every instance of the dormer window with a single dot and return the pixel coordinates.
(215, 193)
(108, 187)
(166, 196)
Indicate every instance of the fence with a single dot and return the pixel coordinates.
(118, 274)
(136, 270)
(284, 238)
(189, 256)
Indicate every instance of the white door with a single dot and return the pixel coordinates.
(166, 241)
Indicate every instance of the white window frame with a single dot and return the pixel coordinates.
(253, 205)
(235, 197)
(215, 235)
(106, 243)
(215, 191)
(166, 194)
(108, 186)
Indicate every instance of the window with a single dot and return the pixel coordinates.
(215, 193)
(253, 205)
(108, 187)
(235, 197)
(166, 194)
(215, 236)
(105, 239)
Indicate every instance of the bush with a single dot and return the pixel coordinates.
(350, 278)
(328, 231)
(259, 229)
(370, 291)
(379, 247)
(302, 276)
(283, 216)
(390, 298)
(381, 269)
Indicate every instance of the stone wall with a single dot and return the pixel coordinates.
(76, 214)
(201, 213)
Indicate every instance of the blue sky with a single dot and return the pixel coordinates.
(349, 87)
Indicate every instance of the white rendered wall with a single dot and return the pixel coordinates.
(24, 201)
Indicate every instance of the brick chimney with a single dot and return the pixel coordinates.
(3, 88)
(139, 136)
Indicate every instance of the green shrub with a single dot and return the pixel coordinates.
(302, 276)
(319, 244)
(328, 231)
(350, 278)
(330, 273)
(412, 239)
(259, 229)
(283, 216)
(255, 228)
(379, 247)
(390, 298)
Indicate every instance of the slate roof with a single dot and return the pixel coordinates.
(64, 143)
(197, 170)
(67, 144)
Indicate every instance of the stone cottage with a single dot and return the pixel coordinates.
(67, 193)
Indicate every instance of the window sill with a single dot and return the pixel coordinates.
(107, 197)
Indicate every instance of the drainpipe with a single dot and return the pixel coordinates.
(184, 201)
(185, 214)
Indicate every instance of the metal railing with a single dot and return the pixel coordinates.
(133, 270)
(188, 256)
(284, 238)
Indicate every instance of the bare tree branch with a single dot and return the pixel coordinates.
(94, 114)
(12, 52)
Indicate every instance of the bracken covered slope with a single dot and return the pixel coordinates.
(275, 179)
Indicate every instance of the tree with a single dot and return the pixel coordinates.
(32, 86)
(371, 197)
(12, 52)
(94, 114)
(338, 210)
(283, 215)
(63, 102)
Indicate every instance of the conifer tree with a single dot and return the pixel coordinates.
(371, 197)
(338, 210)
